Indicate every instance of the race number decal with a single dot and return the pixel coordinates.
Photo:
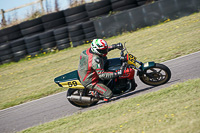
(131, 59)
(73, 83)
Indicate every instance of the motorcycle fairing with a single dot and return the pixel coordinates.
(147, 65)
(69, 80)
(128, 73)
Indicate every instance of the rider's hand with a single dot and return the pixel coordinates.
(121, 70)
(119, 46)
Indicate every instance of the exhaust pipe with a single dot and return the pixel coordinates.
(83, 99)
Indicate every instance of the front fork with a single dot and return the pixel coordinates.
(142, 68)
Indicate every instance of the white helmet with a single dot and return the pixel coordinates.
(99, 46)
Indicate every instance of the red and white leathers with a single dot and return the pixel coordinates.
(91, 72)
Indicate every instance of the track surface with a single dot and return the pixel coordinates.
(56, 106)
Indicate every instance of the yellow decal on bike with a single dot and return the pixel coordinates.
(131, 59)
(73, 84)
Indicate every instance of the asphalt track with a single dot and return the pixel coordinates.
(56, 106)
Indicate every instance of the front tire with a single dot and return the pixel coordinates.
(156, 75)
(77, 103)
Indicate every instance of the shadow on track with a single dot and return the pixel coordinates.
(135, 92)
(126, 95)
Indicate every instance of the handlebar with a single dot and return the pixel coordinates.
(122, 53)
(123, 57)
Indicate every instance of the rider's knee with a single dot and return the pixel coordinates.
(108, 94)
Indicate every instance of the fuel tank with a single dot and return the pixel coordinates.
(113, 64)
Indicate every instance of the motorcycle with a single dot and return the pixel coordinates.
(150, 73)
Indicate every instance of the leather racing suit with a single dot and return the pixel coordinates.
(91, 72)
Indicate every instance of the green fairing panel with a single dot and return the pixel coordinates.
(147, 65)
(67, 77)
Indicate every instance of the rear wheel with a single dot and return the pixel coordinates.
(157, 75)
(78, 92)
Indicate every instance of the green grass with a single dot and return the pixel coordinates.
(31, 79)
(174, 109)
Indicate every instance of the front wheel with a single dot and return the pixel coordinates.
(81, 104)
(156, 75)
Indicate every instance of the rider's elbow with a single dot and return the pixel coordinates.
(102, 77)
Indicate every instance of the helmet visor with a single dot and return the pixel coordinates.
(103, 51)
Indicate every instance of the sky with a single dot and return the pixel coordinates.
(8, 4)
(20, 13)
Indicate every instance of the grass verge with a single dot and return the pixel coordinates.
(174, 109)
(33, 78)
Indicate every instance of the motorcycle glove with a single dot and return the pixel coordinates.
(119, 46)
(121, 70)
(114, 46)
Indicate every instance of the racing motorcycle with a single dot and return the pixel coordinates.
(150, 73)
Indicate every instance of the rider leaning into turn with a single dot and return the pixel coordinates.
(91, 67)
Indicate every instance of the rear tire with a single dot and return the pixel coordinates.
(157, 75)
(80, 104)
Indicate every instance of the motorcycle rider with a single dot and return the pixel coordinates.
(91, 67)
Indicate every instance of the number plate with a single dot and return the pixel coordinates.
(73, 84)
(131, 59)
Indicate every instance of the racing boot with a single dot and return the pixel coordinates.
(106, 100)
